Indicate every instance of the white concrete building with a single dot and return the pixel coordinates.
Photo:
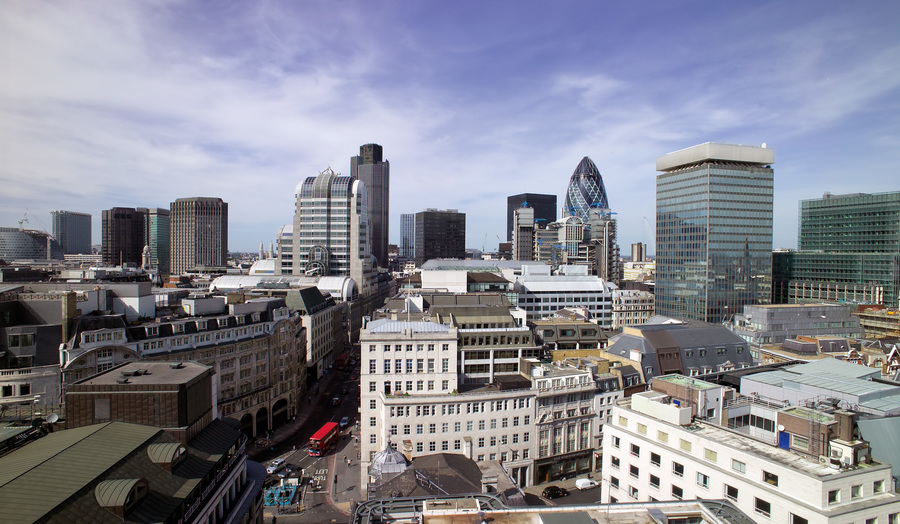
(687, 439)
(541, 294)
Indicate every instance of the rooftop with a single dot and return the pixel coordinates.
(147, 372)
(688, 382)
(714, 151)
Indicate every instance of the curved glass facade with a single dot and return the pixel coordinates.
(586, 190)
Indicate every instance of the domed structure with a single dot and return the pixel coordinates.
(387, 464)
(586, 190)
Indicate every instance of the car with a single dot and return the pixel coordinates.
(275, 465)
(554, 492)
(335, 401)
(345, 422)
(584, 484)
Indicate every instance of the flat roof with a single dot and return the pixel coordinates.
(714, 151)
(148, 372)
(681, 380)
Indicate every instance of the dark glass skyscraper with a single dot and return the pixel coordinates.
(713, 230)
(375, 172)
(586, 190)
(544, 209)
(123, 236)
(73, 231)
(440, 234)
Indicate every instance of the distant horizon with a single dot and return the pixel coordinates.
(138, 104)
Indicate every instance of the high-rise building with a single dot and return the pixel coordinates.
(848, 249)
(638, 252)
(158, 238)
(713, 230)
(331, 235)
(123, 236)
(371, 169)
(440, 234)
(586, 190)
(544, 209)
(198, 233)
(523, 234)
(408, 236)
(73, 231)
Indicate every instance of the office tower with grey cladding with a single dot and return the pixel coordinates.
(372, 170)
(73, 231)
(198, 233)
(713, 230)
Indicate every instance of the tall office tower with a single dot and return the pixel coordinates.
(603, 247)
(158, 238)
(370, 168)
(523, 234)
(73, 231)
(544, 209)
(331, 234)
(408, 236)
(638, 252)
(123, 236)
(440, 234)
(848, 249)
(586, 190)
(198, 233)
(713, 230)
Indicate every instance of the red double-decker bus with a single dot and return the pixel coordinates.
(323, 440)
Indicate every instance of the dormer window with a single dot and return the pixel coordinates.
(178, 328)
(201, 325)
(152, 331)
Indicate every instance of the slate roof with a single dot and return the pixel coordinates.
(438, 474)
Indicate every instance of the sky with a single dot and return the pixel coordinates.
(136, 104)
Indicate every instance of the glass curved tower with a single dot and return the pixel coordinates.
(586, 190)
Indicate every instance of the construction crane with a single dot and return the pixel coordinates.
(652, 234)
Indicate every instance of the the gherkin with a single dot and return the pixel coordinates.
(586, 190)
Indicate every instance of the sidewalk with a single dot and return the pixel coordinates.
(288, 430)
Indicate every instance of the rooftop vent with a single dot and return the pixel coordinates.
(177, 365)
(122, 380)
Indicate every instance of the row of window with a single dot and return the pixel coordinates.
(409, 347)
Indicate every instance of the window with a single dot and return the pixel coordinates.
(655, 459)
(372, 387)
(685, 445)
(738, 466)
(616, 442)
(420, 447)
(762, 507)
(856, 491)
(834, 496)
(799, 442)
(373, 404)
(614, 461)
(654, 481)
(642, 428)
(878, 486)
(614, 482)
(677, 492)
(731, 493)
(795, 519)
(677, 469)
(420, 429)
(623, 422)
(873, 520)
(894, 518)
(710, 454)
(372, 422)
(633, 491)
(771, 478)
(635, 450)
(703, 480)
(634, 471)
(662, 436)
(373, 439)
(432, 446)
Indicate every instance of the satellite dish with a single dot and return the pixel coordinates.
(52, 418)
(780, 427)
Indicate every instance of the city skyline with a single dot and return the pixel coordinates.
(137, 105)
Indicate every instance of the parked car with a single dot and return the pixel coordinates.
(335, 401)
(554, 492)
(275, 465)
(584, 484)
(344, 422)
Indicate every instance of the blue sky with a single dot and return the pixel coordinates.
(135, 104)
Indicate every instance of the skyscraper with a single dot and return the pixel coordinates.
(523, 234)
(544, 209)
(158, 238)
(123, 236)
(198, 233)
(586, 190)
(713, 230)
(848, 249)
(440, 234)
(408, 236)
(370, 168)
(331, 229)
(73, 231)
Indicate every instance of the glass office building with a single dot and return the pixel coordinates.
(848, 249)
(586, 191)
(713, 230)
